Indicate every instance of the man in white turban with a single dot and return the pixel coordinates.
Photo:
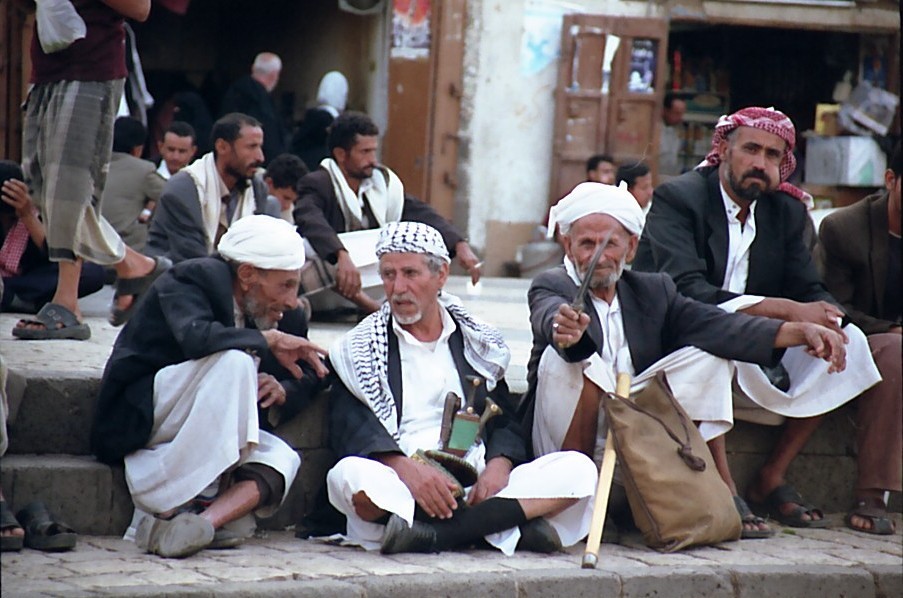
(396, 370)
(636, 323)
(213, 341)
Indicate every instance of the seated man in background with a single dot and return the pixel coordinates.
(29, 277)
(351, 191)
(638, 179)
(637, 323)
(864, 276)
(423, 346)
(282, 176)
(601, 169)
(177, 148)
(203, 200)
(214, 340)
(730, 233)
(133, 186)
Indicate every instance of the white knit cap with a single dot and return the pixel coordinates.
(263, 241)
(411, 237)
(598, 198)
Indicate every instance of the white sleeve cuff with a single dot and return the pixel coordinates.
(741, 302)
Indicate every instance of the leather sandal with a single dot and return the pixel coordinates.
(43, 531)
(783, 494)
(8, 522)
(136, 287)
(58, 323)
(875, 511)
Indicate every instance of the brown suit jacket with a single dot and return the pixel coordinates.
(852, 256)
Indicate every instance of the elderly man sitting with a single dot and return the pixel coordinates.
(637, 323)
(423, 345)
(180, 395)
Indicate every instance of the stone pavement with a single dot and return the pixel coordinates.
(831, 563)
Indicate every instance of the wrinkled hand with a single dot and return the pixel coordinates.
(491, 481)
(15, 193)
(430, 489)
(821, 313)
(289, 349)
(568, 326)
(826, 344)
(347, 276)
(269, 391)
(468, 259)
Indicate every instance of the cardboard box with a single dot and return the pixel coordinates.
(851, 161)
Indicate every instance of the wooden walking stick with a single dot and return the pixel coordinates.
(606, 473)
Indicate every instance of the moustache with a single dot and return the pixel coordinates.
(757, 174)
(403, 297)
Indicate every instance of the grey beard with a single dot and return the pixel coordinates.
(249, 307)
(609, 280)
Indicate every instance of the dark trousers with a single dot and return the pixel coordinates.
(37, 286)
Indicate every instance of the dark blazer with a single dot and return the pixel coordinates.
(657, 321)
(187, 314)
(177, 230)
(852, 255)
(354, 430)
(249, 97)
(686, 236)
(319, 216)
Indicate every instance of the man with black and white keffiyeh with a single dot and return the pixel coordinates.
(395, 369)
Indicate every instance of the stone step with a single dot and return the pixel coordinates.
(94, 498)
(55, 413)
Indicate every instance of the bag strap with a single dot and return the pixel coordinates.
(684, 449)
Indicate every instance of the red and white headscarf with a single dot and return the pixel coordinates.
(769, 120)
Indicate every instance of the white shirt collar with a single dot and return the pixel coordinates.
(448, 328)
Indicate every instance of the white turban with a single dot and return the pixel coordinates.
(597, 198)
(264, 242)
(411, 237)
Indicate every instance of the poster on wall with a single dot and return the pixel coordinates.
(410, 29)
(642, 66)
(541, 40)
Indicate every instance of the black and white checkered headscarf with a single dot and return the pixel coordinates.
(361, 357)
(411, 237)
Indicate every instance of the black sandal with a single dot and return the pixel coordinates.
(875, 511)
(747, 517)
(136, 287)
(43, 531)
(8, 521)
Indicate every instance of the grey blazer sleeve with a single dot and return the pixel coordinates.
(177, 230)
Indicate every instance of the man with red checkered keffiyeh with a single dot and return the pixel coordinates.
(730, 233)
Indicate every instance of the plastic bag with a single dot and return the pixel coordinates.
(58, 25)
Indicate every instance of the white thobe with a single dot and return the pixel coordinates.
(813, 391)
(428, 374)
(205, 424)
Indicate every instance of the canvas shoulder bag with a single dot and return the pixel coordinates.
(675, 493)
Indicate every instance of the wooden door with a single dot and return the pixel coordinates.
(16, 23)
(618, 113)
(421, 140)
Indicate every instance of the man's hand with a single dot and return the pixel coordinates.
(432, 490)
(568, 326)
(820, 341)
(491, 481)
(347, 276)
(15, 193)
(468, 259)
(819, 312)
(269, 391)
(288, 349)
